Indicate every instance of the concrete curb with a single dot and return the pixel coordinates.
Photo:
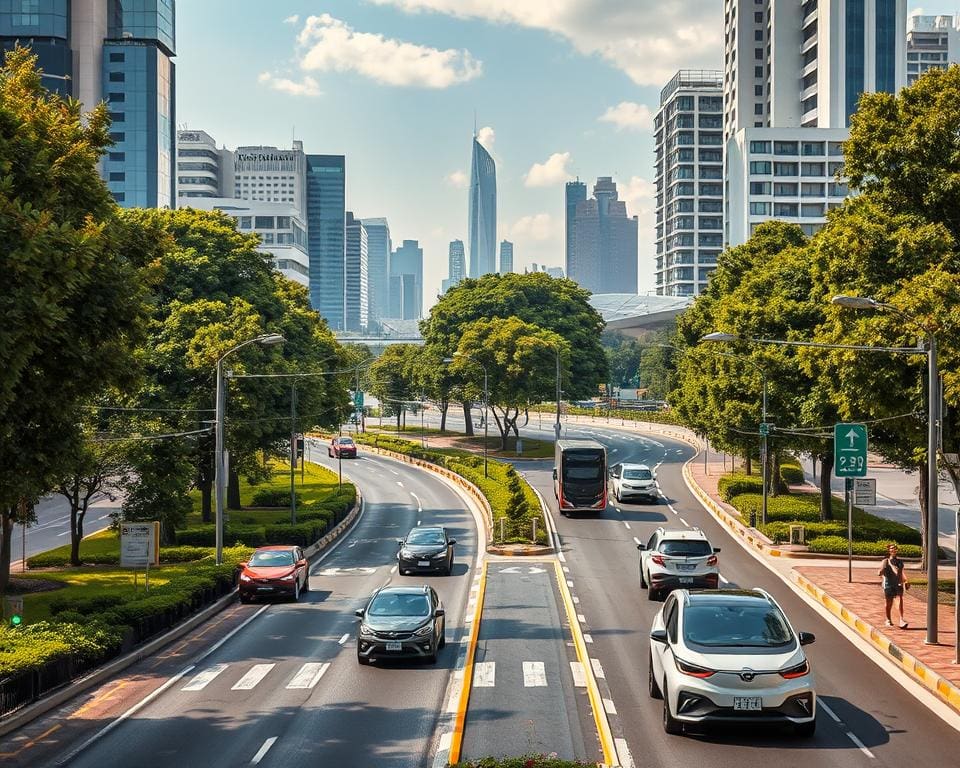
(942, 688)
(103, 673)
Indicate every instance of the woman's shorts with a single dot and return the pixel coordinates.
(893, 591)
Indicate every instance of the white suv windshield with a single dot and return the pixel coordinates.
(637, 474)
(685, 547)
(748, 624)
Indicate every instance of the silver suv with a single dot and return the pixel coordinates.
(672, 559)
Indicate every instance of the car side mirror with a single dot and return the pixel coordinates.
(399, 542)
(716, 550)
(452, 541)
(641, 547)
(806, 638)
(358, 613)
(439, 612)
(659, 636)
(554, 473)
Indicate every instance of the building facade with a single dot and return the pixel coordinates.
(482, 215)
(456, 266)
(604, 254)
(121, 53)
(203, 170)
(406, 273)
(506, 257)
(574, 193)
(379, 247)
(326, 236)
(271, 175)
(356, 306)
(932, 42)
(689, 180)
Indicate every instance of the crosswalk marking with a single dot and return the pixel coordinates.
(579, 676)
(308, 676)
(202, 680)
(534, 675)
(255, 675)
(484, 674)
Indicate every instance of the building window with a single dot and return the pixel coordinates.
(245, 222)
(758, 71)
(759, 209)
(812, 169)
(760, 167)
(759, 187)
(117, 77)
(808, 189)
(758, 109)
(813, 148)
(834, 168)
(811, 210)
(116, 138)
(758, 91)
(118, 176)
(785, 189)
(784, 147)
(758, 53)
(759, 147)
(118, 117)
(117, 57)
(835, 148)
(118, 157)
(786, 210)
(263, 222)
(785, 169)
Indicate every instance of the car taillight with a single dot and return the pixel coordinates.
(692, 669)
(658, 559)
(798, 671)
(712, 560)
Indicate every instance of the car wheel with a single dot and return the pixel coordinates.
(670, 724)
(652, 687)
(653, 594)
(805, 730)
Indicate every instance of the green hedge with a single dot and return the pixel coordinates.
(57, 559)
(273, 497)
(624, 414)
(311, 526)
(837, 545)
(864, 530)
(524, 761)
(31, 647)
(734, 485)
(791, 473)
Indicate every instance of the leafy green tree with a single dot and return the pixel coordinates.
(73, 300)
(392, 378)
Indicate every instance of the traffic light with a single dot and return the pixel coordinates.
(16, 620)
(14, 609)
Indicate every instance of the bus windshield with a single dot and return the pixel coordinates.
(582, 466)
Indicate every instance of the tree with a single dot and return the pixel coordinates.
(392, 378)
(519, 359)
(75, 276)
(434, 380)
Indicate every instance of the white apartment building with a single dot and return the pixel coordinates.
(281, 226)
(202, 169)
(689, 178)
(271, 175)
(932, 42)
(794, 71)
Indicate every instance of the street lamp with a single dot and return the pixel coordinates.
(264, 339)
(933, 424)
(725, 337)
(556, 427)
(486, 400)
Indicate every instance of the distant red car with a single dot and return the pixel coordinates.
(273, 572)
(342, 448)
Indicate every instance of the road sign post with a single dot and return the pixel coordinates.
(850, 450)
(140, 547)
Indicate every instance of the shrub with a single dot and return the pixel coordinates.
(182, 554)
(837, 545)
(273, 497)
(303, 534)
(734, 485)
(523, 761)
(791, 473)
(206, 536)
(85, 606)
(54, 559)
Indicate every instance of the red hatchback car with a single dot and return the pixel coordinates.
(342, 448)
(274, 571)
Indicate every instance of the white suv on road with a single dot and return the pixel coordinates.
(672, 559)
(634, 480)
(730, 656)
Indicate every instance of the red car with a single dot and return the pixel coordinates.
(274, 571)
(342, 448)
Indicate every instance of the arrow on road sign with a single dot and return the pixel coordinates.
(852, 437)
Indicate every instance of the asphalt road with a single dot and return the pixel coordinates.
(52, 528)
(286, 689)
(871, 720)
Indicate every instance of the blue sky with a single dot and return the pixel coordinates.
(394, 85)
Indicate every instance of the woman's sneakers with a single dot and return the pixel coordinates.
(904, 624)
(889, 623)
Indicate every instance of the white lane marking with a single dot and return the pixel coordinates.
(569, 583)
(65, 533)
(608, 705)
(581, 618)
(723, 580)
(262, 752)
(587, 638)
(613, 450)
(636, 541)
(623, 752)
(249, 681)
(626, 524)
(617, 508)
(308, 675)
(399, 483)
(534, 675)
(566, 569)
(484, 674)
(850, 735)
(579, 676)
(657, 465)
(419, 503)
(860, 745)
(684, 522)
(597, 669)
(343, 639)
(418, 522)
(203, 679)
(445, 740)
(576, 600)
(102, 517)
(394, 471)
(394, 569)
(829, 711)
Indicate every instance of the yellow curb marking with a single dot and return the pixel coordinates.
(456, 742)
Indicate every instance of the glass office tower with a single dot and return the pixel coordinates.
(326, 239)
(482, 225)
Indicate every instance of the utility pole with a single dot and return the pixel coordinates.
(293, 452)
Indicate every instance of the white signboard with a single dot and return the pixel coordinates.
(865, 491)
(139, 544)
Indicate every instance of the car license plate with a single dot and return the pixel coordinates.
(264, 589)
(748, 703)
(394, 645)
(423, 563)
(686, 579)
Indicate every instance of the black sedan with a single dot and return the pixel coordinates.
(426, 549)
(401, 622)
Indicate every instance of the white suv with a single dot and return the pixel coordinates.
(730, 656)
(672, 559)
(634, 480)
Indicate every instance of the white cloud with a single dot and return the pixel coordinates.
(487, 136)
(547, 174)
(292, 19)
(306, 87)
(330, 45)
(539, 227)
(639, 194)
(646, 40)
(457, 179)
(629, 116)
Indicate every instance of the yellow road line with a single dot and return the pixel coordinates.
(596, 704)
(105, 696)
(30, 743)
(456, 742)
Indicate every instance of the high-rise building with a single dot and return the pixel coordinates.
(932, 42)
(378, 258)
(456, 266)
(203, 170)
(356, 309)
(506, 257)
(482, 224)
(689, 179)
(271, 174)
(119, 53)
(604, 254)
(326, 215)
(793, 73)
(406, 265)
(576, 192)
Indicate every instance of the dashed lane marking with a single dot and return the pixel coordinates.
(484, 674)
(626, 524)
(684, 522)
(636, 541)
(419, 503)
(343, 639)
(534, 674)
(587, 638)
(262, 752)
(843, 727)
(400, 483)
(579, 676)
(597, 669)
(609, 706)
(623, 752)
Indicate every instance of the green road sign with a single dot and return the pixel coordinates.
(850, 450)
(764, 429)
(358, 399)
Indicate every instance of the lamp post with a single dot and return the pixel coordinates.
(219, 468)
(933, 425)
(763, 433)
(486, 400)
(556, 427)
